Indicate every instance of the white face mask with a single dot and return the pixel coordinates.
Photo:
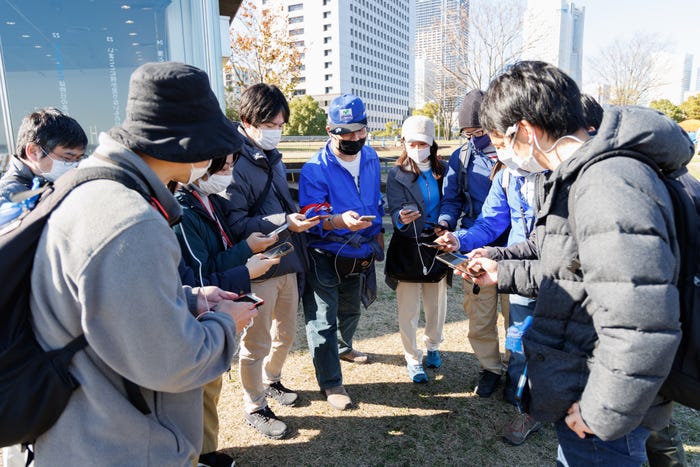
(418, 154)
(58, 168)
(215, 183)
(269, 139)
(516, 163)
(197, 172)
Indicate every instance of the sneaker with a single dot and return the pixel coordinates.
(337, 397)
(215, 459)
(281, 394)
(355, 356)
(517, 430)
(488, 382)
(267, 423)
(417, 374)
(433, 359)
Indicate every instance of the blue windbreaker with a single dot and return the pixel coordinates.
(324, 180)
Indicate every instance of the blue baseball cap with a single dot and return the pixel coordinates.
(346, 114)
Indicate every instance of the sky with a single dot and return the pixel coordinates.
(677, 21)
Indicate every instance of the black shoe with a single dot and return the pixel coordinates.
(488, 382)
(216, 459)
(281, 394)
(267, 423)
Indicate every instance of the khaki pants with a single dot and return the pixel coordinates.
(265, 345)
(408, 297)
(481, 309)
(211, 392)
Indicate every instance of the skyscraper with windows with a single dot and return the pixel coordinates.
(555, 27)
(355, 46)
(438, 23)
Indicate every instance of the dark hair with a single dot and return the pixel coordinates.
(437, 168)
(537, 92)
(217, 164)
(49, 128)
(261, 103)
(592, 111)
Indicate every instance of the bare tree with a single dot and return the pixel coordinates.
(263, 50)
(631, 69)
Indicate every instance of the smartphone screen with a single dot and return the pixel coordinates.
(454, 261)
(279, 250)
(278, 230)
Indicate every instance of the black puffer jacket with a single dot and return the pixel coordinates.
(606, 324)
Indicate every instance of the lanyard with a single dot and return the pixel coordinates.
(210, 210)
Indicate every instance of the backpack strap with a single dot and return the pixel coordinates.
(463, 177)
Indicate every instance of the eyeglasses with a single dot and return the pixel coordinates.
(69, 159)
(472, 134)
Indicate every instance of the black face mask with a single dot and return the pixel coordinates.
(350, 148)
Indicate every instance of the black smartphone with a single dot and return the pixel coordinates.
(279, 250)
(408, 207)
(250, 297)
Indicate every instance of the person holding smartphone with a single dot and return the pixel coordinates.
(413, 191)
(345, 174)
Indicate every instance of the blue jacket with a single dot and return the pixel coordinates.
(501, 210)
(324, 180)
(455, 200)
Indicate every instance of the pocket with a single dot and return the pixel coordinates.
(557, 380)
(321, 270)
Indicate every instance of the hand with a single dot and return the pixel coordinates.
(478, 253)
(352, 221)
(575, 422)
(258, 242)
(241, 312)
(441, 228)
(299, 223)
(209, 296)
(259, 264)
(448, 242)
(406, 216)
(483, 271)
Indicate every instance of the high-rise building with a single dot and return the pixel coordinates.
(554, 28)
(355, 46)
(439, 23)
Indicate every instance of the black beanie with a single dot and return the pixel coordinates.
(469, 110)
(173, 115)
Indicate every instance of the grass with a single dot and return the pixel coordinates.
(397, 422)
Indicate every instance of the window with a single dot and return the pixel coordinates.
(295, 7)
(328, 77)
(326, 27)
(298, 44)
(326, 40)
(296, 19)
(328, 64)
(329, 89)
(327, 52)
(296, 32)
(326, 14)
(326, 2)
(299, 92)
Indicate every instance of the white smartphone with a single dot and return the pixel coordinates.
(458, 262)
(279, 229)
(367, 218)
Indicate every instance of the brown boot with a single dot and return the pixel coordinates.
(338, 398)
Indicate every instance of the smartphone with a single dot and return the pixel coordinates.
(279, 229)
(409, 207)
(367, 218)
(458, 262)
(279, 250)
(431, 245)
(319, 217)
(250, 297)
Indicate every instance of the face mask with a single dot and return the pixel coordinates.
(350, 148)
(215, 183)
(57, 169)
(537, 144)
(480, 142)
(516, 163)
(418, 154)
(197, 172)
(269, 139)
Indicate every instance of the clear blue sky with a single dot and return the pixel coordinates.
(677, 21)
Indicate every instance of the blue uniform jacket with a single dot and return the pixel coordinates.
(324, 180)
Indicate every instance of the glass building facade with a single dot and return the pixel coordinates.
(78, 55)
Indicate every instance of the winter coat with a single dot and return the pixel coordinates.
(17, 178)
(605, 326)
(250, 174)
(106, 266)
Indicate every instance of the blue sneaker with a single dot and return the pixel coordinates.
(417, 374)
(433, 360)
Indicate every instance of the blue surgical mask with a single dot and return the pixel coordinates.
(480, 142)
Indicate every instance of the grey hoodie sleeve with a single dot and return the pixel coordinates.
(628, 256)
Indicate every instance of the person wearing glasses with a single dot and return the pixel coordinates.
(465, 189)
(49, 144)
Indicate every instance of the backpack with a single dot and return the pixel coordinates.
(683, 382)
(35, 385)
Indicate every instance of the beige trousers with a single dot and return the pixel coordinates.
(481, 309)
(265, 344)
(408, 297)
(211, 392)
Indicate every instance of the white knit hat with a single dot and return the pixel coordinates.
(418, 128)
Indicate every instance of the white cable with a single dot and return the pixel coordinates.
(420, 257)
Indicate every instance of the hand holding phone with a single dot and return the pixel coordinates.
(278, 251)
(250, 297)
(408, 208)
(319, 217)
(367, 218)
(431, 245)
(455, 261)
(279, 229)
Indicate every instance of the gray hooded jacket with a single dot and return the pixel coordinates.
(605, 326)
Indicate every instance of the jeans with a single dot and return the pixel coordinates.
(626, 451)
(331, 312)
(519, 310)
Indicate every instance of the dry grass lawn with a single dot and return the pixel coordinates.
(396, 422)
